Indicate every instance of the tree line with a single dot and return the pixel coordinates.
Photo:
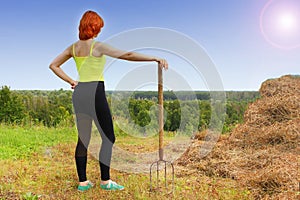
(183, 110)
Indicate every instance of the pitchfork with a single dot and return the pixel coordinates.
(161, 161)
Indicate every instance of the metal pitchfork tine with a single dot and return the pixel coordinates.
(161, 135)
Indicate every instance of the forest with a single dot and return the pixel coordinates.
(54, 108)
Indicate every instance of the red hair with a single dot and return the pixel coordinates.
(90, 25)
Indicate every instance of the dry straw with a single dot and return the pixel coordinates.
(263, 153)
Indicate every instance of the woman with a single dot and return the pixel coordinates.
(89, 100)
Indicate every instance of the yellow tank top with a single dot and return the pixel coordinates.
(89, 68)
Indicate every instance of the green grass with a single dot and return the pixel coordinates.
(27, 172)
(21, 142)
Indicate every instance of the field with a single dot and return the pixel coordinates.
(38, 163)
(256, 157)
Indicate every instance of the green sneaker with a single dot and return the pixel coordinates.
(111, 186)
(85, 187)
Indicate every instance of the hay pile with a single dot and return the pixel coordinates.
(263, 153)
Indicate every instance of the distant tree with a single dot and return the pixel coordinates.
(143, 118)
(11, 106)
(234, 114)
(173, 110)
(205, 115)
(139, 111)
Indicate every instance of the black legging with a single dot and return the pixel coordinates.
(90, 104)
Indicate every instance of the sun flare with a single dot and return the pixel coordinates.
(287, 22)
(280, 23)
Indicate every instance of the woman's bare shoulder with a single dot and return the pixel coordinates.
(100, 44)
(107, 49)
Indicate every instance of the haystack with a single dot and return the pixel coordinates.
(263, 153)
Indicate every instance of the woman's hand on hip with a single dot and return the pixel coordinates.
(73, 84)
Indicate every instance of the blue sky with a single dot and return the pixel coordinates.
(35, 32)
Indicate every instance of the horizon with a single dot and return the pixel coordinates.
(109, 91)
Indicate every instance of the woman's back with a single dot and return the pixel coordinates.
(89, 63)
(83, 48)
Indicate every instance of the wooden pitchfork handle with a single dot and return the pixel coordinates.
(161, 114)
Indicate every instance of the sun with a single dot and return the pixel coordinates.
(280, 23)
(287, 22)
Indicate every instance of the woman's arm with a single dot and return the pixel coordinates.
(130, 56)
(58, 61)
